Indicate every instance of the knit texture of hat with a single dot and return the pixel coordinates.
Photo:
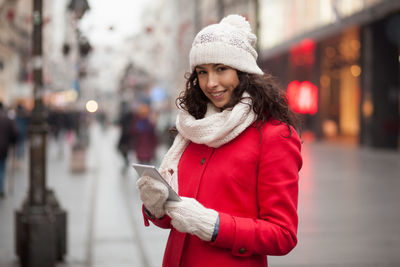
(229, 42)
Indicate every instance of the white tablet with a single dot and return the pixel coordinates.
(152, 171)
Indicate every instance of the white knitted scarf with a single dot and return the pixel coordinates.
(214, 130)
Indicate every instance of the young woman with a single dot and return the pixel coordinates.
(234, 162)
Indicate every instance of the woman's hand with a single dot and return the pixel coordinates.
(153, 194)
(189, 216)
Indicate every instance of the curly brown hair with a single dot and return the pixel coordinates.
(268, 99)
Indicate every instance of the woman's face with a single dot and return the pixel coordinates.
(217, 82)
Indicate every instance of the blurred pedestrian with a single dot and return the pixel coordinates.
(8, 137)
(235, 160)
(126, 140)
(143, 132)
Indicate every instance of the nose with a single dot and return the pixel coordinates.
(212, 80)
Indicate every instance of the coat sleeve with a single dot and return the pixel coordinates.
(164, 222)
(274, 231)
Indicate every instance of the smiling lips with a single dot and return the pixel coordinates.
(217, 94)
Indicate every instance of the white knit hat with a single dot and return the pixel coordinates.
(229, 42)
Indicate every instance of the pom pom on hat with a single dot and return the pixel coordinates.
(237, 21)
(229, 42)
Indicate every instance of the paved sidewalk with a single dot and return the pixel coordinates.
(105, 226)
(349, 209)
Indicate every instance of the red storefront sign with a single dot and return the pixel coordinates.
(303, 97)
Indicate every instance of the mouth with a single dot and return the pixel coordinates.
(217, 94)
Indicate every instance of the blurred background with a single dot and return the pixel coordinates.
(111, 71)
(340, 59)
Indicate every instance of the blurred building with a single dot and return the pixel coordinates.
(158, 53)
(65, 50)
(339, 61)
(15, 28)
(61, 51)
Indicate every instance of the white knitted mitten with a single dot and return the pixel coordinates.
(153, 194)
(189, 216)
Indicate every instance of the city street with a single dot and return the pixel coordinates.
(349, 208)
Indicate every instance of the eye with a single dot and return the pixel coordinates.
(221, 68)
(201, 72)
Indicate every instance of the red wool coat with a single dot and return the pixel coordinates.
(252, 182)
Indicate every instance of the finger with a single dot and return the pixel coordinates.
(172, 204)
(171, 214)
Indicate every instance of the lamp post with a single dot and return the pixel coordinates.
(41, 223)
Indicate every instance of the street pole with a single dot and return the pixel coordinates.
(40, 224)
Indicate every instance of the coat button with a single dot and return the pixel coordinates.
(242, 250)
(203, 160)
